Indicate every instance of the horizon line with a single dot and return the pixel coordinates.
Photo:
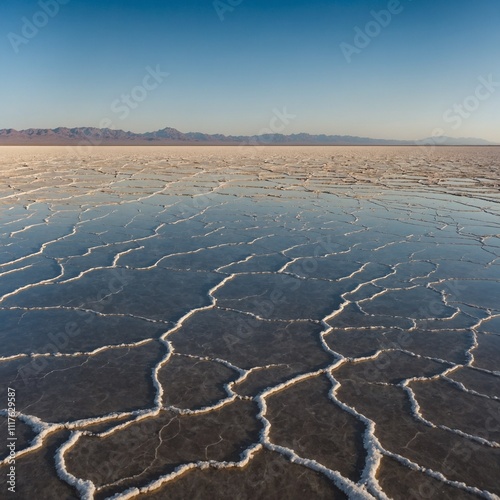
(426, 141)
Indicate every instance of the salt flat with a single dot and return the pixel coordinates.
(251, 322)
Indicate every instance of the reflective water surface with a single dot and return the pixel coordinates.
(316, 322)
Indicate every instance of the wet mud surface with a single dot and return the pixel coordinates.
(238, 322)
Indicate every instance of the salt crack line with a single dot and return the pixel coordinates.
(178, 325)
(77, 354)
(42, 429)
(439, 476)
(32, 285)
(40, 251)
(370, 442)
(15, 270)
(350, 488)
(246, 259)
(354, 490)
(417, 414)
(125, 252)
(86, 489)
(246, 456)
(463, 388)
(90, 311)
(260, 318)
(379, 352)
(189, 252)
(228, 387)
(27, 228)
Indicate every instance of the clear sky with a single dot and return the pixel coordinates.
(416, 72)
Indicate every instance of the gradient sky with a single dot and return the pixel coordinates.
(229, 75)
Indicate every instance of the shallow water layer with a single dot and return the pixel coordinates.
(246, 322)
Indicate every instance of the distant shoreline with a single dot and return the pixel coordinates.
(242, 145)
(91, 136)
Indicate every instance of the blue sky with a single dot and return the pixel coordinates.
(417, 74)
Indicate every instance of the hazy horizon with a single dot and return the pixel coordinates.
(382, 69)
(431, 140)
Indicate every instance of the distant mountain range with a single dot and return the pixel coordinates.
(88, 136)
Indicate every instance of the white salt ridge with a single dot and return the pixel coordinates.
(261, 318)
(190, 252)
(86, 489)
(13, 357)
(87, 354)
(22, 219)
(463, 388)
(416, 410)
(350, 488)
(17, 269)
(346, 485)
(246, 456)
(41, 428)
(39, 252)
(246, 259)
(441, 477)
(375, 355)
(32, 285)
(27, 228)
(176, 327)
(90, 311)
(371, 443)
